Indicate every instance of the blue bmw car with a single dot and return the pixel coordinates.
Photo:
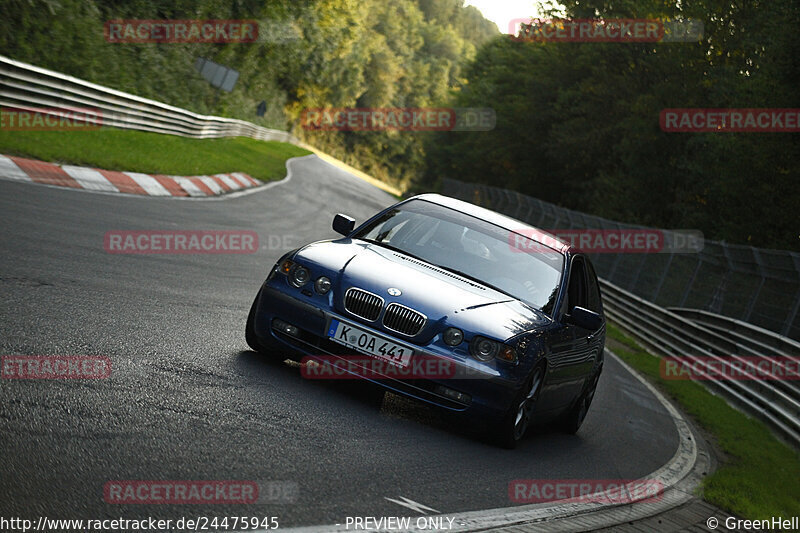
(515, 313)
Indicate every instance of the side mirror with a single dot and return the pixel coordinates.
(583, 318)
(343, 224)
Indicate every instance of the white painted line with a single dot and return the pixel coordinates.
(10, 170)
(233, 184)
(211, 184)
(411, 504)
(148, 183)
(88, 178)
(187, 185)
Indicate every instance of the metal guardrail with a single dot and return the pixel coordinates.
(696, 337)
(744, 333)
(776, 402)
(25, 86)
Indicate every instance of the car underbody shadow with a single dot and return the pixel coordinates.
(257, 362)
(387, 403)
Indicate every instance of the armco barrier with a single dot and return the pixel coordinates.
(25, 86)
(742, 332)
(699, 336)
(775, 402)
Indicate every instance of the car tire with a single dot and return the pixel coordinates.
(517, 419)
(572, 421)
(250, 332)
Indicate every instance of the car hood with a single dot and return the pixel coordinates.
(446, 299)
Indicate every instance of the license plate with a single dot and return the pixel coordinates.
(369, 344)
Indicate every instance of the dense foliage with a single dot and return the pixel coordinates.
(578, 123)
(310, 53)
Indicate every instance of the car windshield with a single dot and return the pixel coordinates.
(473, 248)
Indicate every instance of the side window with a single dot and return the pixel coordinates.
(391, 229)
(595, 302)
(577, 291)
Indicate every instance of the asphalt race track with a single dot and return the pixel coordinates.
(187, 399)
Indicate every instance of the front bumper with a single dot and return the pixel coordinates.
(489, 396)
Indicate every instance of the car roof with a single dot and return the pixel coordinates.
(503, 221)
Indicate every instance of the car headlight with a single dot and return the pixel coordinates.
(299, 276)
(322, 285)
(453, 336)
(485, 350)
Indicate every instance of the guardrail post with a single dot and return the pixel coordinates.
(635, 279)
(691, 281)
(663, 277)
(617, 259)
(790, 318)
(542, 213)
(518, 201)
(718, 297)
(787, 326)
(529, 214)
(510, 202)
(757, 291)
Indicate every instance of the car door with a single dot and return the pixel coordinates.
(595, 303)
(571, 356)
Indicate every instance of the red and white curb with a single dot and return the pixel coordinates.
(95, 179)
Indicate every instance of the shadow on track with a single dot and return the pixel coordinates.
(361, 394)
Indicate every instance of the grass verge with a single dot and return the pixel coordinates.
(153, 153)
(759, 476)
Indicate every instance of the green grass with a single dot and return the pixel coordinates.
(153, 153)
(759, 476)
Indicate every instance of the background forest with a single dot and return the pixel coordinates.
(577, 123)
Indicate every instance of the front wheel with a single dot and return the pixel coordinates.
(518, 418)
(250, 332)
(573, 420)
